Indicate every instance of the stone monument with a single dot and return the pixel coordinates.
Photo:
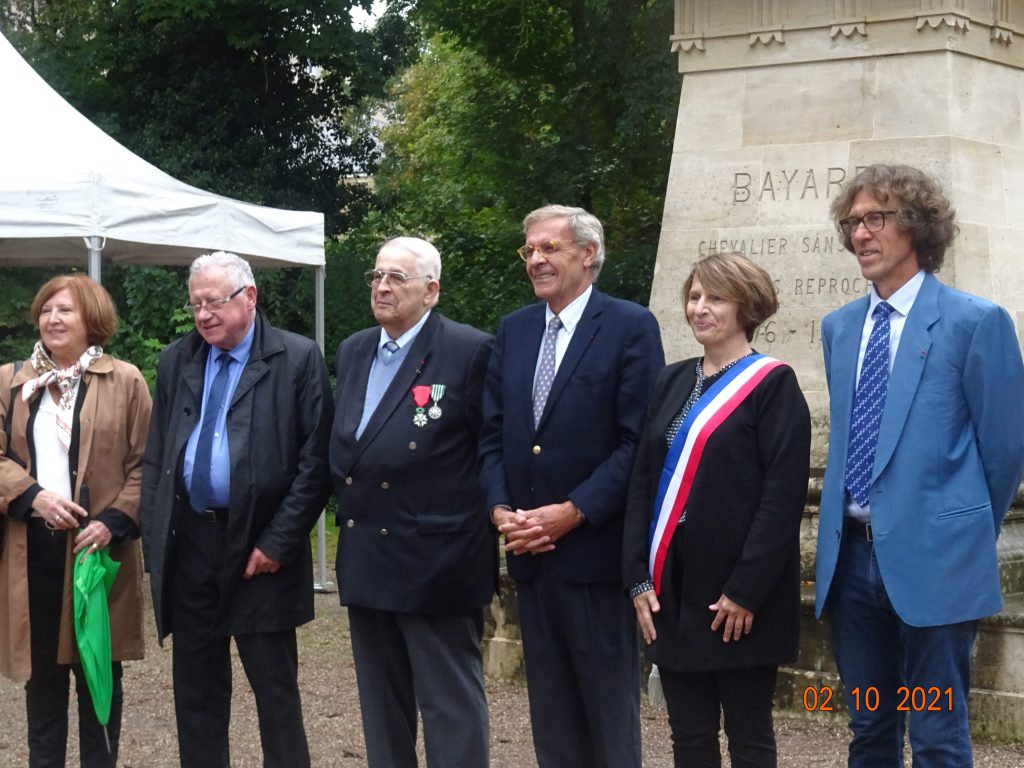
(782, 101)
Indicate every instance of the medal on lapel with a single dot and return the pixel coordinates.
(436, 392)
(420, 396)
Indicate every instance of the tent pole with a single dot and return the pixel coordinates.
(320, 583)
(95, 245)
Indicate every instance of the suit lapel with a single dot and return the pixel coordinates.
(915, 342)
(585, 332)
(401, 385)
(845, 351)
(521, 363)
(354, 389)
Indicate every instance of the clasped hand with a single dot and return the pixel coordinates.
(535, 530)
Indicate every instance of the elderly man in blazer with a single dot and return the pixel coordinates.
(925, 456)
(564, 406)
(417, 561)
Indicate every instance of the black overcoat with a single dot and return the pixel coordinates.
(279, 424)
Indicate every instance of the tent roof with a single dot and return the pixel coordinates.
(64, 179)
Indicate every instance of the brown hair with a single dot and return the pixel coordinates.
(733, 276)
(93, 301)
(923, 209)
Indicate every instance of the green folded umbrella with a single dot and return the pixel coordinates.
(93, 577)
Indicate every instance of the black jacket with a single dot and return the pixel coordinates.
(279, 424)
(741, 535)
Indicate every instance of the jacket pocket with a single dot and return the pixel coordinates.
(434, 524)
(966, 511)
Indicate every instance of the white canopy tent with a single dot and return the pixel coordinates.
(72, 195)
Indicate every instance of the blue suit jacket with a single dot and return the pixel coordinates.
(949, 458)
(584, 446)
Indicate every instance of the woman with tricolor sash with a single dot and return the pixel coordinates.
(711, 553)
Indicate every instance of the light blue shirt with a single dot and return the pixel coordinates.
(383, 369)
(220, 464)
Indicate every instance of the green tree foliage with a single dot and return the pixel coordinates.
(515, 105)
(254, 100)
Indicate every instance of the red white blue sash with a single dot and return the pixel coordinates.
(684, 455)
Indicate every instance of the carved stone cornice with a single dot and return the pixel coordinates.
(958, 22)
(849, 29)
(683, 44)
(766, 37)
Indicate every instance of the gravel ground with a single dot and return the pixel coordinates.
(333, 725)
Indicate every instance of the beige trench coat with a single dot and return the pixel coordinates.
(113, 424)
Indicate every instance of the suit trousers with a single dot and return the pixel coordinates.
(696, 702)
(878, 654)
(582, 672)
(202, 661)
(430, 661)
(47, 692)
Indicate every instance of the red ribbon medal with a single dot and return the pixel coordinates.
(420, 396)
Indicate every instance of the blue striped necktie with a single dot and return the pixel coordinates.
(199, 494)
(867, 407)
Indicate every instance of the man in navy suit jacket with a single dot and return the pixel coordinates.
(906, 572)
(417, 561)
(564, 405)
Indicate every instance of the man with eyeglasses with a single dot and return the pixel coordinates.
(925, 455)
(234, 479)
(416, 559)
(564, 406)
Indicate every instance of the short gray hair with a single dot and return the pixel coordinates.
(428, 259)
(585, 227)
(238, 270)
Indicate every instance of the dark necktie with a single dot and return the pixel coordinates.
(546, 371)
(867, 407)
(199, 496)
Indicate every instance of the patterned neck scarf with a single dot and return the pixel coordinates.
(66, 381)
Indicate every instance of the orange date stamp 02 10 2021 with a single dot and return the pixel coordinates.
(918, 698)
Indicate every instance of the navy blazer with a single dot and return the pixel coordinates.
(949, 458)
(410, 534)
(584, 446)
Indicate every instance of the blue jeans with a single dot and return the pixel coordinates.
(915, 678)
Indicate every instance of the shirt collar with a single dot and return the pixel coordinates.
(572, 313)
(903, 298)
(240, 354)
(406, 338)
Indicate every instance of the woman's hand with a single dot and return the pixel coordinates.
(58, 513)
(738, 620)
(646, 605)
(95, 536)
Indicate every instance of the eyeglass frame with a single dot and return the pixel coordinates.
(526, 251)
(212, 306)
(863, 220)
(377, 276)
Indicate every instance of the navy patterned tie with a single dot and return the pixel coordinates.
(546, 371)
(199, 494)
(867, 407)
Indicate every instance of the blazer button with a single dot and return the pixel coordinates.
(383, 531)
(536, 450)
(351, 523)
(839, 533)
(412, 446)
(385, 485)
(348, 481)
